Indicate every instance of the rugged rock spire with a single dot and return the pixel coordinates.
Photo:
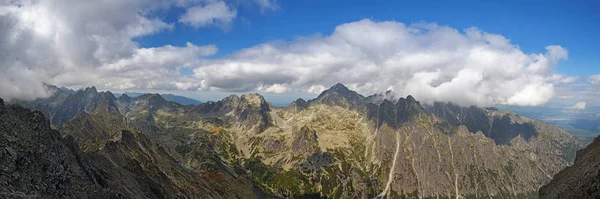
(340, 95)
(298, 105)
(87, 100)
(408, 109)
(387, 114)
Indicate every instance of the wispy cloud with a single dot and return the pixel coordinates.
(579, 106)
(594, 79)
(213, 13)
(267, 5)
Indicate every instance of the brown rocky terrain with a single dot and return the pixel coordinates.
(581, 180)
(36, 162)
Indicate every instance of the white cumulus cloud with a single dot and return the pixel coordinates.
(275, 88)
(213, 13)
(83, 43)
(594, 79)
(431, 62)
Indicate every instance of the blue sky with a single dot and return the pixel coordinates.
(532, 25)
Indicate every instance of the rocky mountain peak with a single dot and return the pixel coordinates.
(90, 90)
(87, 100)
(408, 109)
(108, 93)
(156, 99)
(387, 114)
(250, 110)
(298, 105)
(124, 98)
(408, 101)
(343, 91)
(301, 102)
(51, 87)
(232, 97)
(339, 95)
(89, 93)
(254, 99)
(231, 101)
(339, 87)
(410, 98)
(379, 97)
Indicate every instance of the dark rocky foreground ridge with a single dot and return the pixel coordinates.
(581, 180)
(35, 161)
(338, 145)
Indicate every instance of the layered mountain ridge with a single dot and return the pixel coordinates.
(338, 145)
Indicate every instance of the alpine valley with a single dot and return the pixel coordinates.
(90, 144)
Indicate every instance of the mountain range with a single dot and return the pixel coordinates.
(338, 145)
(169, 97)
(583, 124)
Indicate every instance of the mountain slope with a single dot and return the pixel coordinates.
(36, 162)
(117, 162)
(151, 170)
(403, 149)
(581, 180)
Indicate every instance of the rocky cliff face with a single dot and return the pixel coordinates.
(86, 101)
(304, 142)
(581, 180)
(35, 161)
(500, 126)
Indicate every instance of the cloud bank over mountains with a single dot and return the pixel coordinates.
(428, 61)
(82, 43)
(77, 44)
